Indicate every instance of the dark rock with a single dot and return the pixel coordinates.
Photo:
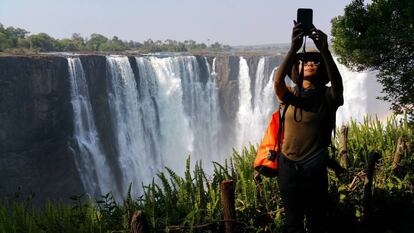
(36, 125)
(204, 74)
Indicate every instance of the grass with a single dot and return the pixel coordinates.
(192, 203)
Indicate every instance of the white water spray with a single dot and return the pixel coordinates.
(360, 92)
(253, 116)
(91, 161)
(245, 118)
(127, 121)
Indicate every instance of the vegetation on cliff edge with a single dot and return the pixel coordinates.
(18, 40)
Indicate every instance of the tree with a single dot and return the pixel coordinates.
(216, 46)
(95, 42)
(78, 41)
(42, 42)
(23, 43)
(113, 45)
(77, 37)
(16, 32)
(134, 45)
(10, 36)
(4, 41)
(67, 45)
(380, 36)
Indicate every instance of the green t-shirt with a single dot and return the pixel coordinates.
(310, 131)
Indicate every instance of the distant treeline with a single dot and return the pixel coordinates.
(18, 40)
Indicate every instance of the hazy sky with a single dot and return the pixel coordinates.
(233, 22)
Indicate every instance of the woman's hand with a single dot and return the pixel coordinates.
(297, 37)
(320, 39)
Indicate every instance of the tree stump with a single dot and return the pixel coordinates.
(398, 154)
(343, 141)
(227, 201)
(373, 158)
(139, 223)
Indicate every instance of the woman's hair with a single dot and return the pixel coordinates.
(322, 78)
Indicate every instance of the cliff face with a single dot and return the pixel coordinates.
(227, 69)
(37, 148)
(36, 127)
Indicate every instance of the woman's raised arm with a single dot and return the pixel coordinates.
(286, 66)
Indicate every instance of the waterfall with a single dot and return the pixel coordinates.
(245, 113)
(148, 92)
(254, 110)
(176, 138)
(201, 107)
(213, 123)
(188, 108)
(360, 92)
(91, 161)
(132, 151)
(265, 101)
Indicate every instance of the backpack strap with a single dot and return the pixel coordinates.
(281, 126)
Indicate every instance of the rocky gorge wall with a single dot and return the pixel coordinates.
(37, 149)
(36, 128)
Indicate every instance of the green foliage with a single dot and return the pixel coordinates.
(219, 47)
(114, 45)
(16, 40)
(10, 36)
(168, 45)
(380, 36)
(192, 203)
(53, 217)
(67, 45)
(95, 42)
(42, 42)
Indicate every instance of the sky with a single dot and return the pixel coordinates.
(232, 22)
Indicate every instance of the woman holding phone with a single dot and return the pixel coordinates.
(309, 121)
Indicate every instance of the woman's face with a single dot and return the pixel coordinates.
(311, 68)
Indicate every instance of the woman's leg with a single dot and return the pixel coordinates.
(292, 192)
(316, 200)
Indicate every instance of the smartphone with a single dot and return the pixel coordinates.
(305, 16)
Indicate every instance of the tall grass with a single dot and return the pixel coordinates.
(192, 203)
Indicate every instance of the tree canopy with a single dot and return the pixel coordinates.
(17, 38)
(380, 35)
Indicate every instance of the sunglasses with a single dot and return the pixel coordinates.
(309, 61)
(308, 58)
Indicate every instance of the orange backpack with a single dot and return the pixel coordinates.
(267, 159)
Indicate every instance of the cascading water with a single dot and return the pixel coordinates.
(148, 92)
(188, 108)
(176, 137)
(265, 102)
(201, 107)
(91, 161)
(254, 110)
(245, 112)
(360, 92)
(169, 113)
(213, 122)
(132, 151)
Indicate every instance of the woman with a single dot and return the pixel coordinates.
(309, 120)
